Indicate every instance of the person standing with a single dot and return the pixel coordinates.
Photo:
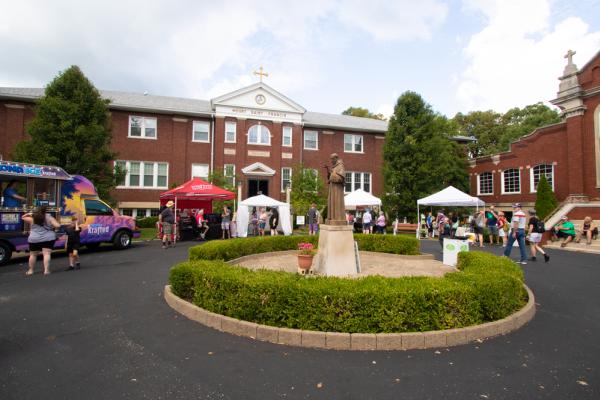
(381, 223)
(201, 224)
(167, 219)
(226, 222)
(274, 221)
(11, 198)
(313, 220)
(535, 237)
(41, 237)
(517, 233)
(263, 217)
(443, 230)
(478, 226)
(366, 222)
(429, 224)
(503, 228)
(73, 244)
(491, 221)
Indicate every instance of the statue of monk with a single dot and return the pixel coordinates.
(336, 177)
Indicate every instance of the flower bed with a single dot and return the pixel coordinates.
(487, 288)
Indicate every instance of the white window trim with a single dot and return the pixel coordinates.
(502, 182)
(531, 183)
(282, 188)
(362, 146)
(479, 186)
(143, 128)
(141, 175)
(234, 132)
(257, 144)
(283, 136)
(225, 169)
(304, 141)
(192, 171)
(194, 130)
(362, 181)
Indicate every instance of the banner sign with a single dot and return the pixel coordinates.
(451, 249)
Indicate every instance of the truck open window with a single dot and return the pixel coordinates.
(96, 207)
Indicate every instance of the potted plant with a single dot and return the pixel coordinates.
(306, 252)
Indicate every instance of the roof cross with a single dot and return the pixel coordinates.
(569, 56)
(260, 73)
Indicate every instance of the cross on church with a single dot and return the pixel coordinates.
(569, 56)
(261, 73)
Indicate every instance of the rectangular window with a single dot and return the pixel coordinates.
(353, 143)
(200, 132)
(122, 165)
(511, 181)
(200, 171)
(311, 140)
(485, 184)
(154, 212)
(286, 178)
(127, 211)
(229, 174)
(537, 172)
(142, 127)
(287, 136)
(230, 128)
(144, 174)
(358, 180)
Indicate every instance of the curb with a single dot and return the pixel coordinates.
(424, 256)
(354, 341)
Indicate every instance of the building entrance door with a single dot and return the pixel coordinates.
(258, 186)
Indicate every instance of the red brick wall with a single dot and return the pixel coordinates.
(14, 116)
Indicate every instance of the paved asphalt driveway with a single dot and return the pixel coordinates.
(105, 332)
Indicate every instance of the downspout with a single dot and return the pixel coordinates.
(212, 145)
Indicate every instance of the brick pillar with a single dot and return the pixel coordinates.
(575, 165)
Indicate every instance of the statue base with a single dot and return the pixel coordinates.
(336, 255)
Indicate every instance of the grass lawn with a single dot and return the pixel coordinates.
(147, 233)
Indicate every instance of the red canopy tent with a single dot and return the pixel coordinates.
(195, 194)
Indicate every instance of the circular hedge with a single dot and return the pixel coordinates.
(486, 288)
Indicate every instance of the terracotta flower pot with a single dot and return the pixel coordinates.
(305, 261)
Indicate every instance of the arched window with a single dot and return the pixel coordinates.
(538, 171)
(511, 181)
(485, 185)
(259, 134)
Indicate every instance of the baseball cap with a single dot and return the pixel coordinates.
(517, 205)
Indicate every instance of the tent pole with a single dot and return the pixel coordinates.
(176, 225)
(418, 222)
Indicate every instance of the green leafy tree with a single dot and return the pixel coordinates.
(419, 158)
(362, 112)
(217, 177)
(308, 187)
(545, 201)
(71, 130)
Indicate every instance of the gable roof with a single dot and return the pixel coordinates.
(253, 87)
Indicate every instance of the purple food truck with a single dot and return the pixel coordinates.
(25, 187)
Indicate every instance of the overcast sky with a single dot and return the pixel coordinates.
(325, 55)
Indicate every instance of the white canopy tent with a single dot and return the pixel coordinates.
(243, 215)
(360, 198)
(451, 197)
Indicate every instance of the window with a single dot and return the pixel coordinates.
(259, 134)
(200, 132)
(127, 211)
(286, 178)
(96, 207)
(230, 128)
(142, 127)
(144, 174)
(229, 174)
(122, 166)
(511, 181)
(287, 136)
(311, 140)
(200, 171)
(485, 184)
(357, 180)
(154, 212)
(353, 143)
(538, 171)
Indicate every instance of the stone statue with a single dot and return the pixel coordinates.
(336, 177)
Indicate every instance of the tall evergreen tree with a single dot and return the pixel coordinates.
(545, 200)
(71, 130)
(419, 158)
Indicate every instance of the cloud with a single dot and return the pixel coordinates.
(516, 58)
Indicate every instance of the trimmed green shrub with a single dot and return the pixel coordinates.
(545, 199)
(486, 288)
(235, 248)
(146, 222)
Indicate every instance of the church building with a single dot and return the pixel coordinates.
(255, 135)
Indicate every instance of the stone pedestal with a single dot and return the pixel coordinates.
(336, 255)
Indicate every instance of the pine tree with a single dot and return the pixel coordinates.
(419, 158)
(545, 201)
(71, 130)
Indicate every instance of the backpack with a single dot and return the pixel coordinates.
(541, 227)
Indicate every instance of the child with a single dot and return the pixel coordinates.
(73, 232)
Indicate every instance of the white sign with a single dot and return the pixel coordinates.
(451, 249)
(299, 219)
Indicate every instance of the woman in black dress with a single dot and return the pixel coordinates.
(274, 221)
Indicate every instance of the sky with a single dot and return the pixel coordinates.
(459, 56)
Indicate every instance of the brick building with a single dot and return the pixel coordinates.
(256, 135)
(567, 153)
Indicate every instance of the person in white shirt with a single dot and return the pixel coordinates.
(366, 221)
(517, 232)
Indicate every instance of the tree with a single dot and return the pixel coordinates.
(307, 187)
(217, 177)
(545, 201)
(71, 130)
(362, 112)
(419, 158)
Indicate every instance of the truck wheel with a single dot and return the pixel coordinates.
(122, 240)
(5, 253)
